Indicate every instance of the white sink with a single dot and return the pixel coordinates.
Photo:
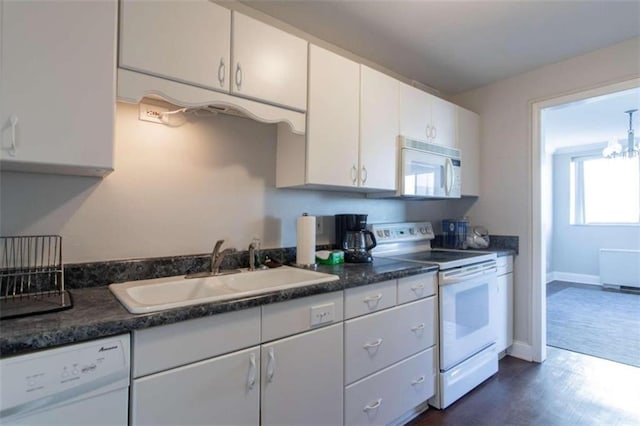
(172, 292)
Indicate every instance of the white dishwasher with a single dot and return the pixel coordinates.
(80, 384)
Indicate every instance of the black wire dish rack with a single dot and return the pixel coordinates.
(32, 276)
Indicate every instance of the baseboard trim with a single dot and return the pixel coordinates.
(521, 350)
(574, 278)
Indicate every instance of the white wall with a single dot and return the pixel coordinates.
(576, 248)
(176, 190)
(506, 187)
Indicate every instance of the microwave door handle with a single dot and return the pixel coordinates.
(448, 176)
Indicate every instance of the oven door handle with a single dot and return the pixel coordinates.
(460, 278)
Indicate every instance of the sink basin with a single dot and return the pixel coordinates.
(172, 292)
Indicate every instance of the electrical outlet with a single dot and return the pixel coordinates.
(322, 314)
(319, 225)
(151, 113)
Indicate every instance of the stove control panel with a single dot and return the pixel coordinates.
(401, 232)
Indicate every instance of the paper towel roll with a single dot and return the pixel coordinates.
(306, 239)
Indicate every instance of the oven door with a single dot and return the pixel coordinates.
(465, 320)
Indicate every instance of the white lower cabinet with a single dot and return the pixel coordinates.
(378, 340)
(302, 379)
(224, 390)
(293, 363)
(503, 314)
(384, 396)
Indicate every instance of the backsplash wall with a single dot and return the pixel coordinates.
(175, 190)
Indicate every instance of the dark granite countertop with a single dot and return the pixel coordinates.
(97, 313)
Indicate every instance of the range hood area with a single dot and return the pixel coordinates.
(134, 86)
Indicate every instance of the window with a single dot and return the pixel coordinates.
(605, 190)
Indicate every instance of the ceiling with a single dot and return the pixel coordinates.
(454, 46)
(594, 120)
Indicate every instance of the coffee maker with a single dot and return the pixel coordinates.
(353, 237)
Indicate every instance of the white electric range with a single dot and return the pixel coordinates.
(466, 297)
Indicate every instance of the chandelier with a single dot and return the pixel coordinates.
(616, 149)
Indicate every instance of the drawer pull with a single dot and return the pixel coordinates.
(372, 406)
(252, 371)
(271, 365)
(370, 299)
(417, 288)
(418, 381)
(418, 327)
(372, 345)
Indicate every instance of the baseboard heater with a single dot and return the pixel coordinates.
(620, 267)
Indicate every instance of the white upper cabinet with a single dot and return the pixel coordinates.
(332, 119)
(443, 122)
(378, 129)
(415, 113)
(469, 144)
(268, 64)
(57, 86)
(426, 117)
(187, 42)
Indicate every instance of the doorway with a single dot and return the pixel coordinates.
(543, 222)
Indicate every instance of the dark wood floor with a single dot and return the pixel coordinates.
(567, 389)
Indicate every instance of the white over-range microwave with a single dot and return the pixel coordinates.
(428, 170)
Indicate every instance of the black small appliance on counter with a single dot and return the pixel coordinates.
(353, 237)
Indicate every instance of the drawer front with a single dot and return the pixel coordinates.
(369, 298)
(505, 265)
(383, 397)
(160, 348)
(378, 340)
(295, 316)
(417, 287)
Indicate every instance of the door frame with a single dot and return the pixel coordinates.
(538, 245)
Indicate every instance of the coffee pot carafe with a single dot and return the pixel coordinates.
(353, 237)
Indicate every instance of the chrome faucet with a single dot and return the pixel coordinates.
(254, 248)
(252, 255)
(218, 256)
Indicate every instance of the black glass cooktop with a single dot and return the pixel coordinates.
(439, 256)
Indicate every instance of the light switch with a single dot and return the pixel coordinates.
(322, 314)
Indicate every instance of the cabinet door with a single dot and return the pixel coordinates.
(469, 144)
(378, 129)
(183, 41)
(332, 119)
(302, 379)
(443, 122)
(58, 85)
(415, 113)
(504, 312)
(268, 64)
(223, 391)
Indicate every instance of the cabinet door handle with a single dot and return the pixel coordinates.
(364, 175)
(271, 365)
(13, 121)
(428, 132)
(370, 299)
(375, 344)
(418, 381)
(252, 371)
(221, 72)
(434, 132)
(418, 327)
(373, 406)
(417, 288)
(354, 174)
(238, 75)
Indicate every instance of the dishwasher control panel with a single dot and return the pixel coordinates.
(65, 372)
